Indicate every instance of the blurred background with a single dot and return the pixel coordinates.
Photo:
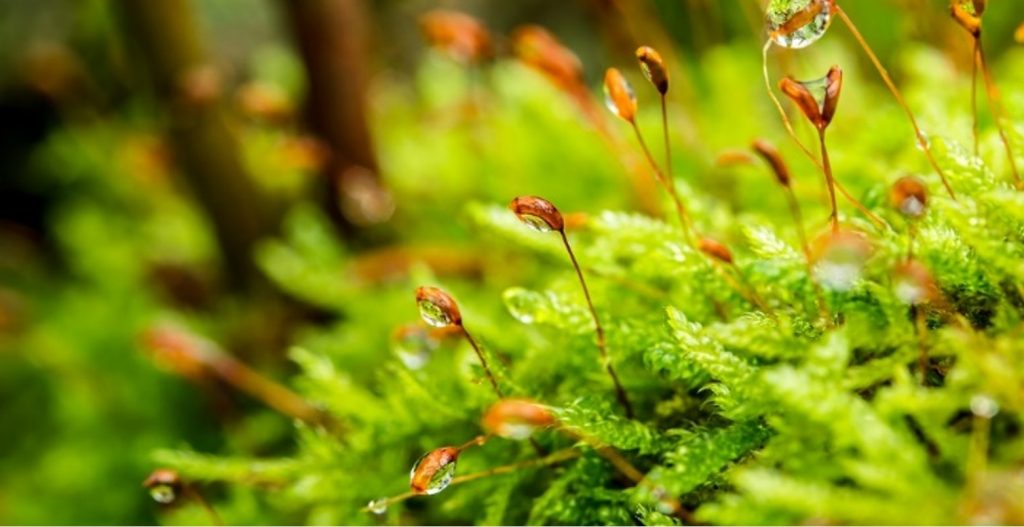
(257, 171)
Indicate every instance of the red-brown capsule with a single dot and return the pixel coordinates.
(619, 96)
(1018, 35)
(459, 35)
(178, 350)
(653, 67)
(715, 249)
(539, 49)
(516, 418)
(437, 308)
(771, 155)
(909, 196)
(913, 283)
(538, 213)
(433, 472)
(962, 13)
(164, 485)
(819, 109)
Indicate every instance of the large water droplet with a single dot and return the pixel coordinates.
(984, 406)
(535, 222)
(797, 24)
(163, 494)
(434, 314)
(378, 506)
(413, 345)
(528, 307)
(908, 291)
(433, 472)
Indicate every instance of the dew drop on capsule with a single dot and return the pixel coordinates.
(433, 314)
(797, 24)
(613, 105)
(163, 494)
(984, 406)
(378, 506)
(433, 472)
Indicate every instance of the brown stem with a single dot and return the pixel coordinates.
(798, 219)
(996, 106)
(788, 125)
(483, 362)
(195, 495)
(976, 128)
(552, 459)
(273, 394)
(602, 345)
(827, 166)
(921, 330)
(922, 141)
(664, 129)
(669, 185)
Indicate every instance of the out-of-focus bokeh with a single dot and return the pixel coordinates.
(155, 153)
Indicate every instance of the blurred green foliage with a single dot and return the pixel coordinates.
(744, 417)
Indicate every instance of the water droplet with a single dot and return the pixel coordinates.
(433, 314)
(984, 406)
(797, 24)
(413, 345)
(516, 419)
(378, 506)
(908, 291)
(433, 472)
(535, 222)
(840, 259)
(528, 307)
(163, 494)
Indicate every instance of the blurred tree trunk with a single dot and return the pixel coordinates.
(168, 43)
(331, 36)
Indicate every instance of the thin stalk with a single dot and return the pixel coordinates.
(996, 106)
(974, 96)
(602, 345)
(684, 217)
(551, 459)
(788, 125)
(798, 219)
(977, 455)
(922, 141)
(664, 129)
(483, 362)
(194, 494)
(273, 394)
(921, 330)
(827, 166)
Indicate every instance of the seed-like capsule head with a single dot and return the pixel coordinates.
(538, 213)
(839, 258)
(817, 99)
(1018, 35)
(968, 15)
(516, 418)
(459, 35)
(909, 196)
(540, 50)
(798, 23)
(715, 249)
(653, 67)
(164, 485)
(771, 155)
(437, 308)
(913, 284)
(619, 96)
(434, 471)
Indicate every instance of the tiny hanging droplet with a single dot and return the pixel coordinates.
(378, 506)
(839, 259)
(163, 494)
(433, 472)
(437, 308)
(984, 406)
(797, 24)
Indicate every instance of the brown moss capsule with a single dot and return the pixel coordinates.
(839, 258)
(538, 213)
(715, 249)
(913, 283)
(653, 67)
(817, 99)
(770, 154)
(459, 35)
(433, 472)
(539, 49)
(909, 196)
(1018, 35)
(164, 485)
(437, 308)
(965, 15)
(516, 418)
(619, 96)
